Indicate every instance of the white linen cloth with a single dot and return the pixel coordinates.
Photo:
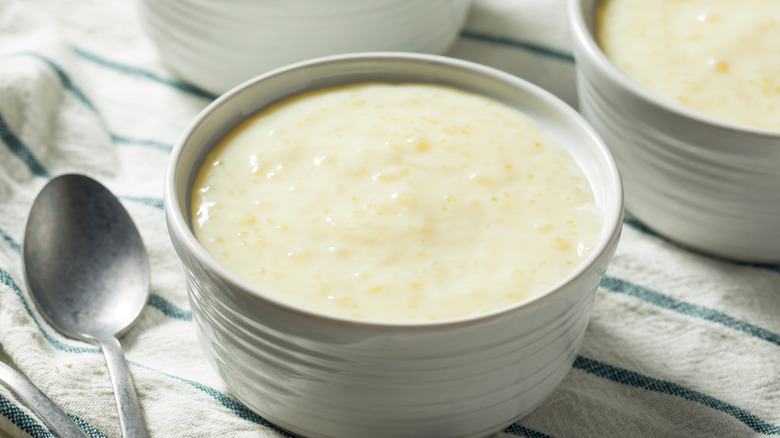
(679, 344)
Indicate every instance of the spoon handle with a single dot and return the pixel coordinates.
(130, 417)
(58, 421)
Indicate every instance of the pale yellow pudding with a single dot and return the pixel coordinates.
(720, 58)
(392, 202)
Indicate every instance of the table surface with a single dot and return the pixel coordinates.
(679, 344)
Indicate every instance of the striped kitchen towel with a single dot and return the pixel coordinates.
(679, 345)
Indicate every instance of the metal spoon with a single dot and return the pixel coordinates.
(87, 272)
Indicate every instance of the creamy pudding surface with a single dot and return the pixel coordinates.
(720, 58)
(394, 202)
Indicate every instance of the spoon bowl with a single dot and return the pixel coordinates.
(87, 271)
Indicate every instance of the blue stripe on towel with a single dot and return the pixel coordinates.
(167, 308)
(20, 419)
(64, 79)
(146, 200)
(237, 408)
(519, 430)
(658, 299)
(639, 226)
(29, 424)
(68, 85)
(21, 150)
(10, 241)
(621, 375)
(142, 142)
(530, 47)
(138, 72)
(773, 268)
(90, 430)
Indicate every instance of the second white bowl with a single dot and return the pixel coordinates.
(216, 45)
(710, 185)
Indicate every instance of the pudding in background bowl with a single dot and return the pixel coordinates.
(719, 58)
(674, 107)
(319, 373)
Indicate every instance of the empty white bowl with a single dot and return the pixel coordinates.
(216, 45)
(711, 185)
(320, 375)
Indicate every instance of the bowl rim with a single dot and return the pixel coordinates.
(582, 36)
(612, 218)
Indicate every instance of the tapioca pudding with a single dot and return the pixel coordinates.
(394, 202)
(720, 58)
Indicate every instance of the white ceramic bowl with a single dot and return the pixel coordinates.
(216, 45)
(326, 376)
(710, 185)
